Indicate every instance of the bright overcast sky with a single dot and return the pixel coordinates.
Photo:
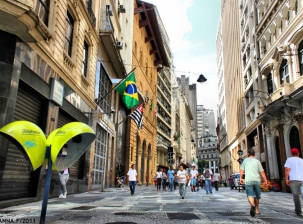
(192, 27)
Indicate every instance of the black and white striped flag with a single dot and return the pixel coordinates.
(137, 116)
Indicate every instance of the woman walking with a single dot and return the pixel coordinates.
(164, 177)
(159, 179)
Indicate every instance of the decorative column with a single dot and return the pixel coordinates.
(299, 119)
(279, 128)
(276, 80)
(214, 166)
(289, 62)
(139, 170)
(145, 168)
(151, 170)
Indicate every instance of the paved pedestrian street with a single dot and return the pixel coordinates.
(149, 206)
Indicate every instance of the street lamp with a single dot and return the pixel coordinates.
(201, 78)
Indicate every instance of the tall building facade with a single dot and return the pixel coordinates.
(148, 55)
(114, 59)
(190, 92)
(271, 43)
(164, 108)
(221, 108)
(44, 43)
(278, 49)
(230, 70)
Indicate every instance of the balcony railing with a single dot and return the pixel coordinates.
(91, 12)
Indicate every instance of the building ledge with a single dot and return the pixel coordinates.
(18, 18)
(108, 40)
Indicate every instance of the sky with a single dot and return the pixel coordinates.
(192, 28)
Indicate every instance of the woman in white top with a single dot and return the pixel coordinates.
(159, 179)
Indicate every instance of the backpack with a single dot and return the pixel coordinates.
(206, 174)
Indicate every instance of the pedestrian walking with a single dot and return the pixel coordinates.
(216, 180)
(175, 181)
(207, 174)
(203, 181)
(132, 178)
(63, 177)
(231, 182)
(155, 179)
(159, 179)
(164, 177)
(171, 178)
(294, 178)
(63, 174)
(253, 173)
(182, 178)
(147, 179)
(194, 174)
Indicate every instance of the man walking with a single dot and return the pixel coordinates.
(171, 178)
(253, 172)
(231, 182)
(182, 178)
(294, 178)
(132, 178)
(193, 173)
(207, 173)
(216, 180)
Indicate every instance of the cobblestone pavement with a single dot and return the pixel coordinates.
(149, 206)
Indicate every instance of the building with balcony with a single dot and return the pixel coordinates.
(148, 54)
(278, 83)
(210, 153)
(114, 59)
(45, 42)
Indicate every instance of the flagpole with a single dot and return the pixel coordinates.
(124, 119)
(119, 83)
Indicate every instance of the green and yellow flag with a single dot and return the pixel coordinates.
(128, 89)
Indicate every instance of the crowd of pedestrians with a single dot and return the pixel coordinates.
(254, 173)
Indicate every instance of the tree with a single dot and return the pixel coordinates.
(201, 164)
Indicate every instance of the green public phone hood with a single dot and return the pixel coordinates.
(77, 137)
(29, 138)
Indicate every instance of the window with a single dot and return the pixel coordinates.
(104, 93)
(85, 59)
(288, 17)
(284, 72)
(244, 60)
(300, 53)
(281, 24)
(270, 88)
(42, 10)
(69, 34)
(296, 7)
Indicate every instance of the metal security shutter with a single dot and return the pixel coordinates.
(63, 119)
(18, 180)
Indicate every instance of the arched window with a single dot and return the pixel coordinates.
(281, 24)
(300, 53)
(270, 88)
(284, 72)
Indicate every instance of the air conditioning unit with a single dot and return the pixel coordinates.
(121, 9)
(109, 11)
(119, 45)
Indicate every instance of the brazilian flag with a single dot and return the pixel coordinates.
(128, 89)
